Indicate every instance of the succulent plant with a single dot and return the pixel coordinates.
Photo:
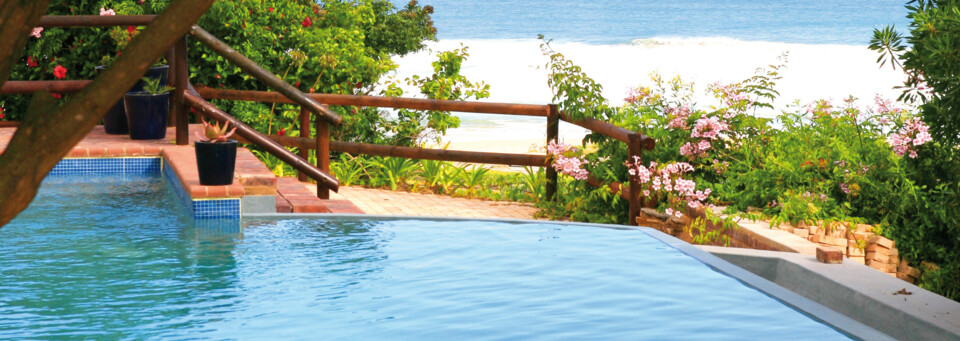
(214, 133)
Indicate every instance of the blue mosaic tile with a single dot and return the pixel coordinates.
(141, 165)
(216, 208)
(118, 166)
(204, 208)
(88, 166)
(177, 187)
(200, 209)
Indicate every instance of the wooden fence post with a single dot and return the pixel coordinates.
(323, 154)
(305, 133)
(634, 149)
(181, 75)
(553, 132)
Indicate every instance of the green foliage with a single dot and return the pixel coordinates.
(152, 86)
(923, 214)
(339, 47)
(412, 127)
(577, 94)
(932, 64)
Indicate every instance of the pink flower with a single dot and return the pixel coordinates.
(680, 116)
(104, 11)
(708, 127)
(36, 32)
(60, 72)
(914, 133)
(565, 163)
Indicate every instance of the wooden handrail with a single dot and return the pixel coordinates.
(381, 102)
(265, 76)
(29, 87)
(193, 99)
(95, 20)
(418, 153)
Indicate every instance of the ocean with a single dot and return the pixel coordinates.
(620, 43)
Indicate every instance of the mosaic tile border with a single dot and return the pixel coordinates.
(119, 165)
(202, 208)
(199, 209)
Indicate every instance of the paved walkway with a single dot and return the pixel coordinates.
(386, 202)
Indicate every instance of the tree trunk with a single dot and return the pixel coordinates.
(48, 133)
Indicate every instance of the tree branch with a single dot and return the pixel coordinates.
(47, 135)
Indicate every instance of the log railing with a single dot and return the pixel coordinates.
(636, 142)
(185, 97)
(182, 99)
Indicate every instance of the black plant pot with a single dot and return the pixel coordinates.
(147, 115)
(115, 120)
(159, 71)
(215, 162)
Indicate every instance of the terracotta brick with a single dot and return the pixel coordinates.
(802, 233)
(913, 272)
(877, 265)
(878, 257)
(829, 255)
(884, 242)
(878, 249)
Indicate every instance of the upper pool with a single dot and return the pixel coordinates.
(117, 257)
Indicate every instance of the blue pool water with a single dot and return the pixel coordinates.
(85, 262)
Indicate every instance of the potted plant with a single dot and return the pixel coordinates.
(216, 155)
(147, 110)
(115, 120)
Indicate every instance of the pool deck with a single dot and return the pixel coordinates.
(254, 179)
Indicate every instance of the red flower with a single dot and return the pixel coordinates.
(31, 62)
(218, 76)
(297, 85)
(60, 72)
(359, 85)
(306, 22)
(55, 95)
(311, 90)
(130, 29)
(1, 113)
(281, 132)
(270, 9)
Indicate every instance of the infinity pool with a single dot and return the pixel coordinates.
(117, 257)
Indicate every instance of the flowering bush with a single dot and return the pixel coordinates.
(566, 162)
(666, 184)
(329, 47)
(912, 134)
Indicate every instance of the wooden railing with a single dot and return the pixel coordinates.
(182, 95)
(636, 142)
(186, 96)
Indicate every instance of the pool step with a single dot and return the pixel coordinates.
(294, 197)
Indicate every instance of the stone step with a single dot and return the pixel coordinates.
(294, 197)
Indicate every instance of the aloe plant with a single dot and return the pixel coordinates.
(215, 133)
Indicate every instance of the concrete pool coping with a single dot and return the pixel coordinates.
(855, 290)
(812, 309)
